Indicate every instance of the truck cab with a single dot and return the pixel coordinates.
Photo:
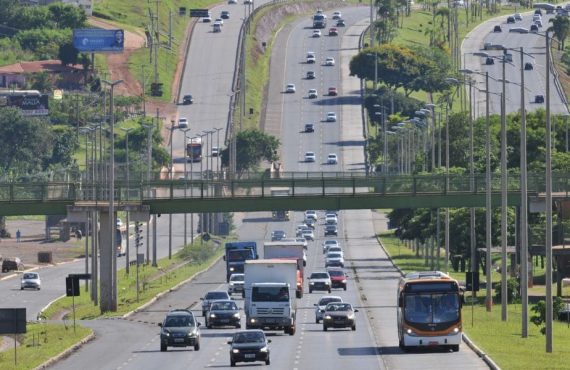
(236, 255)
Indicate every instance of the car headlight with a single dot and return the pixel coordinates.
(350, 317)
(328, 317)
(232, 269)
(410, 332)
(311, 283)
(235, 350)
(456, 330)
(343, 281)
(298, 284)
(192, 334)
(264, 349)
(166, 333)
(236, 315)
(252, 321)
(213, 315)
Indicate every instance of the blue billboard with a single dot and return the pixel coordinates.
(96, 40)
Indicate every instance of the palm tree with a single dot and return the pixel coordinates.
(561, 27)
(444, 14)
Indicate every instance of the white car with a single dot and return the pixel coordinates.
(308, 234)
(320, 280)
(300, 231)
(311, 215)
(329, 61)
(332, 159)
(290, 88)
(335, 249)
(215, 151)
(331, 117)
(336, 15)
(183, 122)
(329, 243)
(313, 94)
(31, 280)
(207, 19)
(232, 2)
(220, 21)
(320, 306)
(334, 259)
(311, 57)
(310, 157)
(316, 33)
(331, 220)
(236, 283)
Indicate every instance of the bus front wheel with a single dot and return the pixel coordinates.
(455, 348)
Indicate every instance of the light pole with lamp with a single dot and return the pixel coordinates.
(149, 165)
(218, 160)
(203, 229)
(111, 296)
(86, 131)
(127, 255)
(171, 179)
(185, 186)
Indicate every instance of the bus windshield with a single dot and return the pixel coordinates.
(431, 308)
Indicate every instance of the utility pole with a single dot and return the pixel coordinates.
(127, 256)
(149, 164)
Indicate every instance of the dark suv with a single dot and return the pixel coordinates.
(331, 230)
(249, 346)
(214, 295)
(223, 313)
(187, 99)
(179, 329)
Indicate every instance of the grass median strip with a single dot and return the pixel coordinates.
(41, 342)
(152, 280)
(500, 340)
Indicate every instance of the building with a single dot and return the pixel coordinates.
(16, 75)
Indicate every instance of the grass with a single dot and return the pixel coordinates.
(152, 280)
(488, 331)
(41, 342)
(26, 218)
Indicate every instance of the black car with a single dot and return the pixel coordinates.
(497, 28)
(489, 61)
(179, 329)
(528, 66)
(340, 23)
(211, 296)
(187, 99)
(538, 11)
(331, 230)
(225, 14)
(278, 235)
(249, 346)
(310, 127)
(310, 75)
(539, 99)
(533, 28)
(223, 313)
(511, 20)
(339, 315)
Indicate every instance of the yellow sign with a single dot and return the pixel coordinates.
(58, 94)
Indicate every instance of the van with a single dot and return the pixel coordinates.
(217, 27)
(12, 264)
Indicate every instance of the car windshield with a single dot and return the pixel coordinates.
(333, 255)
(30, 276)
(336, 273)
(217, 295)
(338, 307)
(325, 301)
(223, 306)
(319, 275)
(431, 308)
(178, 321)
(330, 242)
(251, 337)
(270, 294)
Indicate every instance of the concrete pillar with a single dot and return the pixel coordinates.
(107, 254)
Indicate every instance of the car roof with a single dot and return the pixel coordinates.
(180, 312)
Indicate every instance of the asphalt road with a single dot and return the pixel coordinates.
(535, 80)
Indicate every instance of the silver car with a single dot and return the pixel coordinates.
(322, 304)
(236, 283)
(31, 280)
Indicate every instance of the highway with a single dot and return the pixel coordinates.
(535, 80)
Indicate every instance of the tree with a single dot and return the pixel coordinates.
(253, 146)
(67, 16)
(25, 142)
(561, 28)
(68, 54)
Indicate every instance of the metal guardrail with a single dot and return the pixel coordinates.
(306, 185)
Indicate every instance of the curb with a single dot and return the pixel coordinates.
(161, 294)
(67, 352)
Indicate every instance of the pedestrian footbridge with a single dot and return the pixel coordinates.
(297, 191)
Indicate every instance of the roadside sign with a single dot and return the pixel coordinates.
(200, 13)
(470, 300)
(96, 40)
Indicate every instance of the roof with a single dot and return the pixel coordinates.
(53, 66)
(270, 261)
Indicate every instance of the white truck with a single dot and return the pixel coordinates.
(270, 294)
(288, 250)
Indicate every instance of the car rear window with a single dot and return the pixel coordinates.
(216, 295)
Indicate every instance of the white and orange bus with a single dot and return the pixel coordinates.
(429, 310)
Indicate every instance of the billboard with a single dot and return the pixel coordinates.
(96, 40)
(31, 105)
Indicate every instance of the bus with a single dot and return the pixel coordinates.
(194, 149)
(429, 310)
(121, 235)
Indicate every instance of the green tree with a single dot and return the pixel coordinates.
(64, 146)
(561, 28)
(43, 42)
(67, 16)
(25, 142)
(68, 54)
(253, 146)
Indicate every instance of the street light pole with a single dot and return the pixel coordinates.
(127, 252)
(488, 206)
(548, 200)
(472, 183)
(185, 186)
(113, 275)
(171, 179)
